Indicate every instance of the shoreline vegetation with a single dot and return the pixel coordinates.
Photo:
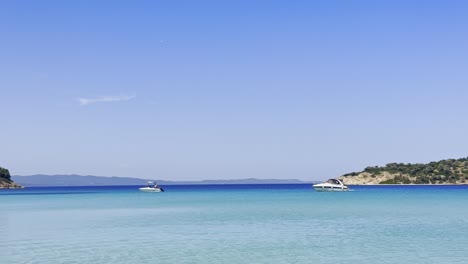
(443, 172)
(5, 180)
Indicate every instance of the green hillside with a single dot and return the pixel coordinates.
(5, 180)
(4, 174)
(449, 171)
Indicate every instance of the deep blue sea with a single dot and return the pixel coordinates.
(234, 224)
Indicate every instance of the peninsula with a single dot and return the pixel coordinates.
(448, 171)
(5, 180)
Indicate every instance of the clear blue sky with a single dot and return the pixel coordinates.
(187, 90)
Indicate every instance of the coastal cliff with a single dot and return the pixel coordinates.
(449, 171)
(5, 180)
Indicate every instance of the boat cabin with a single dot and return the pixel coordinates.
(335, 181)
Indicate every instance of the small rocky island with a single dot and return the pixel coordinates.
(449, 171)
(5, 180)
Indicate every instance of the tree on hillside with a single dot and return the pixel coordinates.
(4, 173)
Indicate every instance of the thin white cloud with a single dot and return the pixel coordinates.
(104, 99)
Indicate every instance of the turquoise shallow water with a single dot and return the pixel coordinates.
(235, 224)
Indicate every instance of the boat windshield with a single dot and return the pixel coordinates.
(334, 181)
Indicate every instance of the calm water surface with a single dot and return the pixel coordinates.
(234, 224)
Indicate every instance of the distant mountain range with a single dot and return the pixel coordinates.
(80, 180)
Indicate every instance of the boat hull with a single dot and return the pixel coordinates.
(330, 189)
(147, 189)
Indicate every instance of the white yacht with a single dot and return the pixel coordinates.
(332, 185)
(151, 187)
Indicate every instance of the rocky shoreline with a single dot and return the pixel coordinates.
(5, 184)
(386, 178)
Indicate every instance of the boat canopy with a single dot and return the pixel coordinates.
(334, 181)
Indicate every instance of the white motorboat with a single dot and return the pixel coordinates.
(151, 187)
(332, 185)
